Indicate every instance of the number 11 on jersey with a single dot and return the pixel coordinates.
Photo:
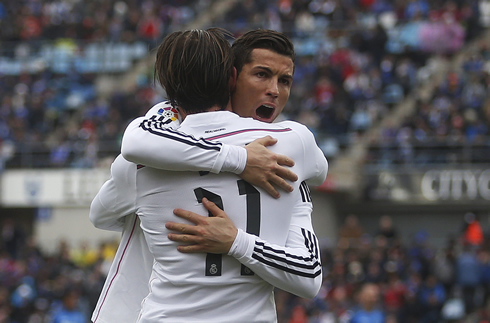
(213, 261)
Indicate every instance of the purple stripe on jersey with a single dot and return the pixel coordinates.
(117, 270)
(247, 130)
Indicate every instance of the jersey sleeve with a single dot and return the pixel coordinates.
(116, 198)
(295, 267)
(155, 141)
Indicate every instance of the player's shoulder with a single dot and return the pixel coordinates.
(119, 160)
(123, 166)
(298, 128)
(164, 112)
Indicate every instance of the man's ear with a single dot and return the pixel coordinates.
(233, 78)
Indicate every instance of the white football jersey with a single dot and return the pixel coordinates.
(113, 208)
(131, 266)
(235, 287)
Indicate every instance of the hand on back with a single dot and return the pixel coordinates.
(265, 169)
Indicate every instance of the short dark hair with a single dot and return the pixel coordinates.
(260, 38)
(194, 68)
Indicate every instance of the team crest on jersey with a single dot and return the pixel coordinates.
(213, 270)
(169, 113)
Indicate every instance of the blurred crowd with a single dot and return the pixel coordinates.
(36, 287)
(372, 55)
(377, 277)
(95, 21)
(374, 277)
(456, 116)
(51, 112)
(356, 60)
(57, 120)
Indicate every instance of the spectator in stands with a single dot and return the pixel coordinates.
(351, 232)
(411, 310)
(444, 268)
(393, 295)
(13, 237)
(432, 297)
(40, 312)
(468, 276)
(84, 256)
(339, 301)
(298, 315)
(375, 272)
(69, 311)
(5, 307)
(369, 309)
(387, 229)
(416, 8)
(22, 299)
(420, 253)
(472, 230)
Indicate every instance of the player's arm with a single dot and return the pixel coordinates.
(295, 267)
(314, 164)
(155, 142)
(116, 198)
(114, 209)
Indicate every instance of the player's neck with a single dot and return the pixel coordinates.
(184, 114)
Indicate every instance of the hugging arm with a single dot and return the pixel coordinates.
(294, 267)
(116, 198)
(155, 142)
(114, 209)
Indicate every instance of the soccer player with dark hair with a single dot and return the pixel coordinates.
(266, 242)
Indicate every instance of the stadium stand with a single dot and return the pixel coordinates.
(347, 78)
(451, 125)
(371, 76)
(53, 114)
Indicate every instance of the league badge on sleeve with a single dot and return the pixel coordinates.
(169, 113)
(162, 115)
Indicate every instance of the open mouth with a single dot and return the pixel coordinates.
(264, 111)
